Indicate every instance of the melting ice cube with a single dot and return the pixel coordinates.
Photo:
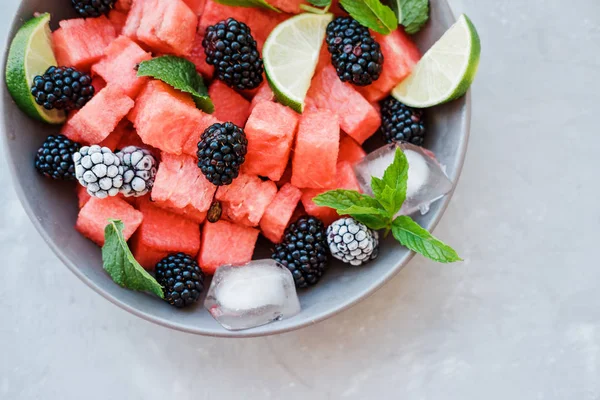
(251, 295)
(427, 181)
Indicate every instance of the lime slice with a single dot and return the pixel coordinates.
(446, 71)
(291, 54)
(31, 54)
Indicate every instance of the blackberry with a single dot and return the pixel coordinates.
(352, 242)
(304, 251)
(99, 170)
(181, 278)
(55, 158)
(62, 88)
(355, 54)
(221, 152)
(139, 171)
(401, 123)
(93, 8)
(230, 47)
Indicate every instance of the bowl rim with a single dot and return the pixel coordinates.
(274, 329)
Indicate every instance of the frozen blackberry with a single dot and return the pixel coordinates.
(55, 158)
(355, 54)
(230, 47)
(352, 242)
(99, 170)
(304, 251)
(221, 152)
(93, 8)
(181, 278)
(62, 88)
(139, 170)
(401, 123)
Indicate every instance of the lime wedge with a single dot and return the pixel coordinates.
(446, 71)
(31, 54)
(291, 54)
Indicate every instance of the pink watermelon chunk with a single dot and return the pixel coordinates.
(196, 6)
(134, 18)
(316, 151)
(94, 216)
(264, 93)
(182, 187)
(118, 65)
(118, 19)
(81, 42)
(230, 106)
(216, 247)
(98, 83)
(279, 212)
(112, 140)
(164, 117)
(270, 131)
(99, 117)
(345, 179)
(350, 150)
(286, 177)
(400, 55)
(358, 118)
(82, 196)
(145, 255)
(165, 231)
(246, 199)
(198, 57)
(191, 145)
(123, 5)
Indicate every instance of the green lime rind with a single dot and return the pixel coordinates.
(473, 64)
(20, 70)
(282, 98)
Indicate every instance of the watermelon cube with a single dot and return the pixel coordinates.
(181, 187)
(98, 83)
(358, 118)
(145, 255)
(164, 117)
(246, 199)
(131, 138)
(118, 19)
(230, 106)
(82, 196)
(279, 212)
(134, 18)
(123, 5)
(270, 131)
(119, 63)
(94, 216)
(191, 145)
(400, 55)
(81, 42)
(316, 151)
(196, 6)
(264, 93)
(164, 231)
(345, 179)
(115, 137)
(286, 177)
(198, 57)
(350, 150)
(167, 26)
(99, 117)
(217, 249)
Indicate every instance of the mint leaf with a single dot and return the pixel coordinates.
(180, 74)
(390, 190)
(120, 264)
(419, 240)
(320, 3)
(372, 14)
(317, 3)
(363, 208)
(248, 3)
(412, 14)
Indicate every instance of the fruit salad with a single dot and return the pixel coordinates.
(191, 127)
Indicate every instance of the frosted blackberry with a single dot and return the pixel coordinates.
(352, 242)
(99, 170)
(181, 278)
(304, 251)
(401, 123)
(93, 8)
(230, 47)
(139, 170)
(62, 88)
(221, 152)
(55, 158)
(355, 54)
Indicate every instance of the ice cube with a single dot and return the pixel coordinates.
(251, 295)
(427, 181)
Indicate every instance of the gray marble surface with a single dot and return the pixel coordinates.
(519, 319)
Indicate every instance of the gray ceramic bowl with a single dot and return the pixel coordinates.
(53, 208)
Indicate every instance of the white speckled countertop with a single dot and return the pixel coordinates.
(519, 319)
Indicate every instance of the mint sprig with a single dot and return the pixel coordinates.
(181, 74)
(120, 264)
(412, 14)
(326, 4)
(379, 212)
(372, 14)
(248, 3)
